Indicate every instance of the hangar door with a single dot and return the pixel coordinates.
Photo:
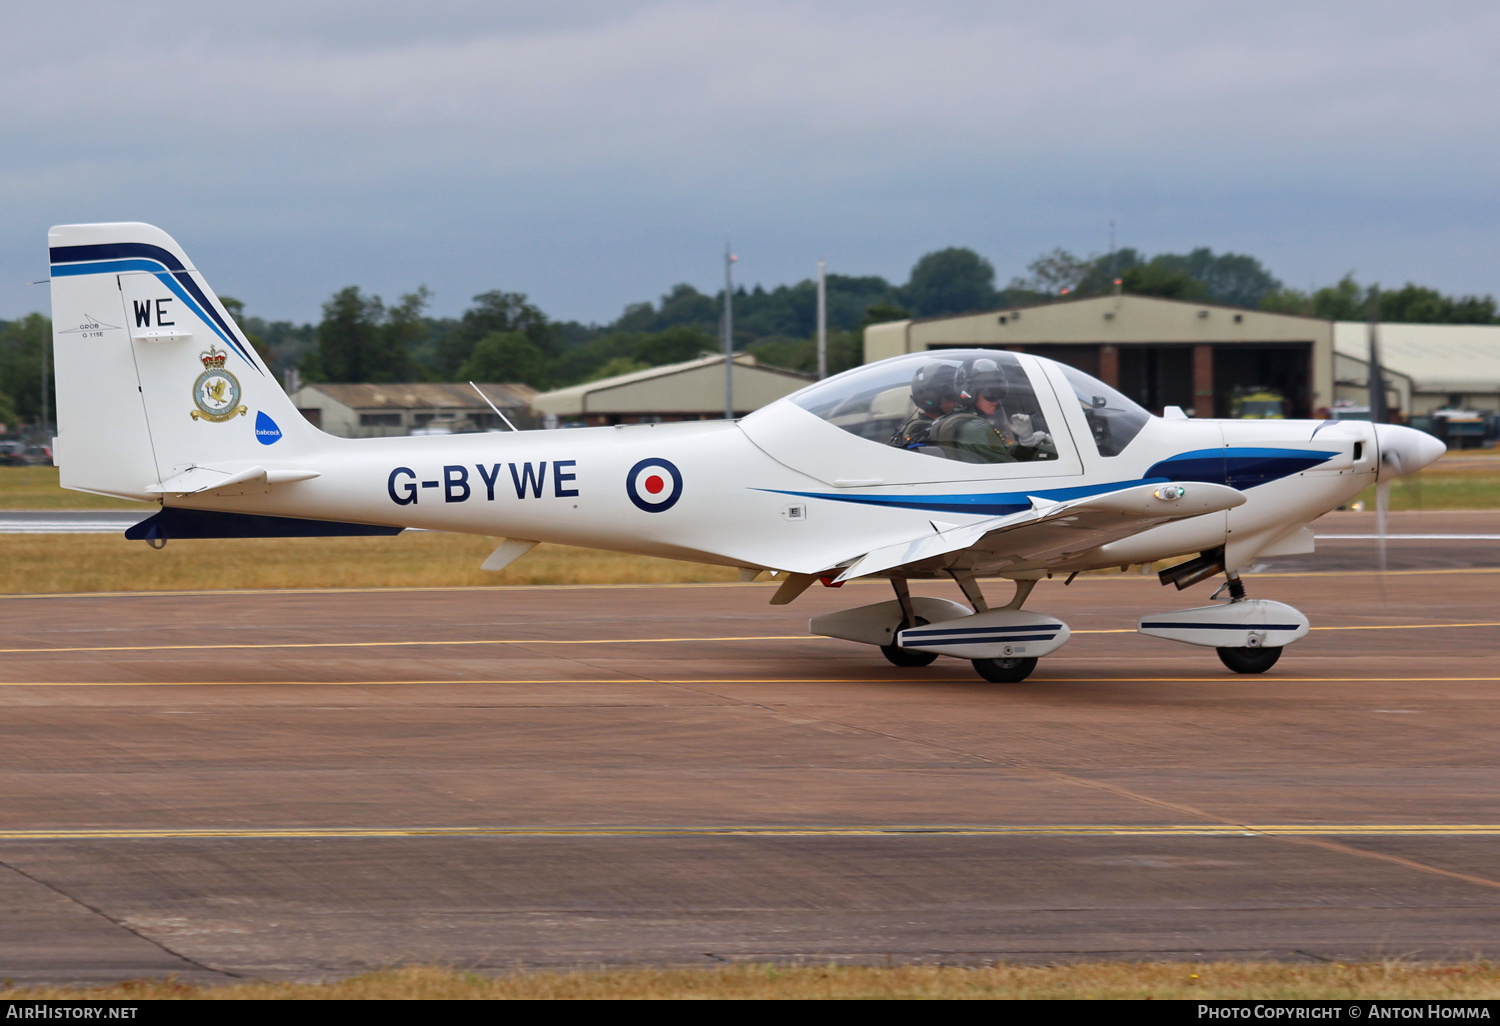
(1284, 368)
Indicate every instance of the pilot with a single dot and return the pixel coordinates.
(934, 393)
(967, 434)
(985, 385)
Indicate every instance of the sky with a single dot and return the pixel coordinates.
(594, 154)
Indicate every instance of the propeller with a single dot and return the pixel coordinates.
(1379, 414)
(1402, 450)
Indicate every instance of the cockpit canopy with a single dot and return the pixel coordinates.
(970, 405)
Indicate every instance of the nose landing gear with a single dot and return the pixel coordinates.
(1247, 634)
(1004, 671)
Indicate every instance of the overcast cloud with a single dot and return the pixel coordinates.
(593, 154)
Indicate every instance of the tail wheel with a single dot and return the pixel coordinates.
(898, 656)
(1249, 660)
(1005, 671)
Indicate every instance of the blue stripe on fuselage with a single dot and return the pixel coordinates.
(1240, 468)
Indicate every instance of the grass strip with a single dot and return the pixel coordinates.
(74, 563)
(1110, 980)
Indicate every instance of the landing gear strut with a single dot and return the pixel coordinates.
(1252, 659)
(894, 654)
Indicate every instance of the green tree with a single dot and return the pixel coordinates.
(619, 365)
(505, 356)
(1416, 304)
(354, 344)
(492, 312)
(882, 313)
(1229, 278)
(1233, 279)
(404, 332)
(24, 344)
(951, 281)
(236, 310)
(1157, 279)
(675, 345)
(581, 361)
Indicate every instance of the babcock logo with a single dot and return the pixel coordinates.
(266, 431)
(654, 485)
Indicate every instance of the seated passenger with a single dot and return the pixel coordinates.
(934, 392)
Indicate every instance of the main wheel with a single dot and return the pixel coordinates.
(1005, 671)
(907, 656)
(1249, 660)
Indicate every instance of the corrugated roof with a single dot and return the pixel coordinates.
(1437, 357)
(422, 395)
(667, 370)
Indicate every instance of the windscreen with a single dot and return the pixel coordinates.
(1114, 420)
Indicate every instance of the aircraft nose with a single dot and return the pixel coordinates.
(1406, 450)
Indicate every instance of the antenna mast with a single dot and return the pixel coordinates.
(729, 259)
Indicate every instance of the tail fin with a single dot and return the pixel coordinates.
(153, 375)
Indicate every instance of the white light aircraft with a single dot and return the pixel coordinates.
(959, 464)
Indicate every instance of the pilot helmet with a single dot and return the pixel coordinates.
(983, 378)
(932, 385)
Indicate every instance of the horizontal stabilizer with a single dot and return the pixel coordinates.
(208, 479)
(173, 522)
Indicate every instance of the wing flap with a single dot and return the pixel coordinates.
(1055, 530)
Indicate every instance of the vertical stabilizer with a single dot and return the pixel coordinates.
(153, 375)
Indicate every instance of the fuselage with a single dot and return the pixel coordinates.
(785, 489)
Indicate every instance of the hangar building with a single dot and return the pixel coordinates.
(1160, 352)
(1428, 367)
(384, 410)
(692, 390)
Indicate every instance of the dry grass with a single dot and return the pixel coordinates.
(52, 563)
(1218, 980)
(36, 488)
(91, 563)
(1472, 484)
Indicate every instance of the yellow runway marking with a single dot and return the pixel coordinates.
(414, 644)
(1225, 678)
(505, 588)
(939, 830)
(459, 642)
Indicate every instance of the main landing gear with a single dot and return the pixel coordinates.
(895, 654)
(997, 642)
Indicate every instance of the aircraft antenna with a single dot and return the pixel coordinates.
(822, 322)
(729, 259)
(493, 406)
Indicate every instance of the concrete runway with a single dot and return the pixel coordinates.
(310, 784)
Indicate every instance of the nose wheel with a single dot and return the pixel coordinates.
(1004, 671)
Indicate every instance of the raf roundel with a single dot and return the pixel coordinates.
(654, 485)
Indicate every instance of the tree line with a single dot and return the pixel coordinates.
(504, 337)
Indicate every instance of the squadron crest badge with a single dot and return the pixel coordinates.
(216, 392)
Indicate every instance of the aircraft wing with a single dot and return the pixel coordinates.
(1049, 531)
